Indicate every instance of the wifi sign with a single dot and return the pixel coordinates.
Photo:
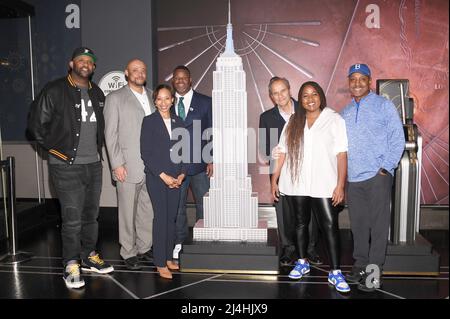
(115, 83)
(112, 81)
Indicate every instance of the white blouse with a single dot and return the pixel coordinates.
(168, 126)
(318, 173)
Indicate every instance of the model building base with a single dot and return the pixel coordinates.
(417, 258)
(201, 233)
(231, 257)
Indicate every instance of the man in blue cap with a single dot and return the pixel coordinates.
(66, 119)
(375, 145)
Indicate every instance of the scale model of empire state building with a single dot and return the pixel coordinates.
(230, 207)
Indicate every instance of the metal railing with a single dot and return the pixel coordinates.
(13, 256)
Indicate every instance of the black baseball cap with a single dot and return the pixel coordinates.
(84, 51)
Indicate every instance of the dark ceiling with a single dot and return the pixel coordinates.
(10, 9)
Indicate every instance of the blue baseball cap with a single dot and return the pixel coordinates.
(359, 68)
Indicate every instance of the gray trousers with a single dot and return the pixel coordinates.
(135, 219)
(370, 214)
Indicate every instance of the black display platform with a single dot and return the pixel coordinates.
(417, 258)
(231, 257)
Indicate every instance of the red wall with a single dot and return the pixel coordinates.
(411, 43)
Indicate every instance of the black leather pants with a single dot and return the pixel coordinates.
(327, 219)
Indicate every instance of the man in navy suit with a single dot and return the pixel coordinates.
(273, 120)
(195, 110)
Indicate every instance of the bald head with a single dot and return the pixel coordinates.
(135, 62)
(136, 73)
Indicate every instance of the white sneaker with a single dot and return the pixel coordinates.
(72, 276)
(176, 251)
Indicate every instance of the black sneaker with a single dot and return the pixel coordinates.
(132, 263)
(147, 256)
(288, 256)
(369, 286)
(285, 261)
(314, 260)
(72, 276)
(96, 264)
(356, 275)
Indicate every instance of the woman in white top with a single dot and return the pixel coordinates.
(310, 172)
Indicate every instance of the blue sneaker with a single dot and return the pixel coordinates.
(301, 268)
(337, 279)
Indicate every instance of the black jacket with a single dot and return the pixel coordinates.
(271, 119)
(200, 110)
(157, 145)
(55, 118)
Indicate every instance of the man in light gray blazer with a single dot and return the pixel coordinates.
(124, 111)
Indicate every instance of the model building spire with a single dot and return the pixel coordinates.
(230, 207)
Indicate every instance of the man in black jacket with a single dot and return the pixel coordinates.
(271, 123)
(67, 120)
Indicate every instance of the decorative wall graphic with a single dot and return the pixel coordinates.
(46, 65)
(287, 42)
(15, 61)
(15, 78)
(321, 37)
(427, 71)
(52, 45)
(317, 40)
(112, 81)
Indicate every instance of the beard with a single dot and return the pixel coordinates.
(137, 82)
(82, 73)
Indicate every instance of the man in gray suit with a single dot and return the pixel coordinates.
(124, 112)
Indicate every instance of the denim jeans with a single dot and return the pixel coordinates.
(199, 185)
(78, 188)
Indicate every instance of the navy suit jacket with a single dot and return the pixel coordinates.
(267, 120)
(199, 110)
(156, 145)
